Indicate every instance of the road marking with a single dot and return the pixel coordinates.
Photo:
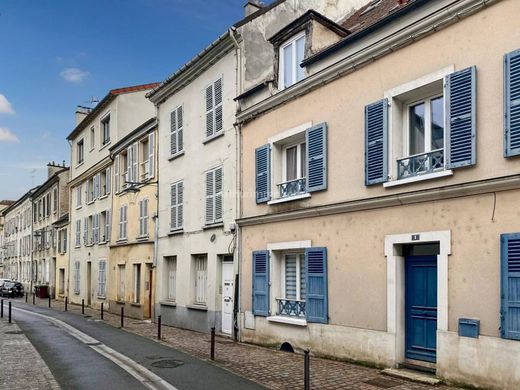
(139, 372)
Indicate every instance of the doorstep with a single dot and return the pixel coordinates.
(412, 375)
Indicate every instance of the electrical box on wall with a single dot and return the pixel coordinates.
(469, 327)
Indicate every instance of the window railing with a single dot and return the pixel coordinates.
(292, 187)
(420, 164)
(145, 170)
(291, 307)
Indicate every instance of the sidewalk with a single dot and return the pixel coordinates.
(270, 368)
(21, 366)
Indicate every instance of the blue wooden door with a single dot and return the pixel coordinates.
(421, 307)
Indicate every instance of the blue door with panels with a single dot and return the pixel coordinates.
(421, 307)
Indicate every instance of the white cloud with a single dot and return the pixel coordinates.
(5, 106)
(74, 75)
(7, 135)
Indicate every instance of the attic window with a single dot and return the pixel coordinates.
(292, 54)
(371, 6)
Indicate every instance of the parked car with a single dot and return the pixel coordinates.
(12, 289)
(2, 281)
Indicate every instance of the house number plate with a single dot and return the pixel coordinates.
(416, 237)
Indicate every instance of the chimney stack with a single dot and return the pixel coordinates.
(252, 6)
(81, 113)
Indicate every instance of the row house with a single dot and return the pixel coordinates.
(3, 205)
(131, 262)
(50, 204)
(18, 241)
(380, 177)
(91, 186)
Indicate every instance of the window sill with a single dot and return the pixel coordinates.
(103, 146)
(197, 307)
(103, 196)
(174, 232)
(101, 297)
(122, 241)
(135, 304)
(79, 164)
(119, 302)
(168, 303)
(213, 225)
(142, 238)
(289, 198)
(176, 155)
(78, 207)
(214, 136)
(288, 320)
(414, 179)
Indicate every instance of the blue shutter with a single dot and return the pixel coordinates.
(512, 104)
(316, 301)
(263, 173)
(510, 286)
(261, 283)
(376, 142)
(316, 144)
(461, 118)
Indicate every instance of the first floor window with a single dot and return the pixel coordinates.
(78, 233)
(102, 277)
(214, 195)
(176, 207)
(201, 279)
(137, 283)
(294, 278)
(121, 282)
(171, 273)
(143, 218)
(76, 277)
(426, 125)
(123, 222)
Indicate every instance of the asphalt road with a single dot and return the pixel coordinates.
(87, 354)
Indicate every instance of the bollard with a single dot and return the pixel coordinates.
(9, 311)
(101, 310)
(34, 298)
(66, 301)
(306, 371)
(1, 308)
(26, 296)
(122, 315)
(158, 327)
(212, 353)
(49, 301)
(82, 306)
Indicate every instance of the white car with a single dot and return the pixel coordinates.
(2, 281)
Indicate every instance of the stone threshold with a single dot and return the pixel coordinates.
(412, 375)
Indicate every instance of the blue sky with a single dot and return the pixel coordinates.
(56, 54)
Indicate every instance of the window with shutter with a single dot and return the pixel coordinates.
(376, 142)
(263, 173)
(171, 266)
(214, 110)
(107, 225)
(316, 304)
(176, 131)
(214, 195)
(122, 222)
(135, 162)
(261, 283)
(76, 277)
(143, 218)
(512, 104)
(510, 286)
(316, 156)
(151, 155)
(78, 233)
(102, 279)
(78, 196)
(176, 206)
(116, 174)
(201, 279)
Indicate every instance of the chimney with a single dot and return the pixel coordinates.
(52, 168)
(81, 113)
(252, 6)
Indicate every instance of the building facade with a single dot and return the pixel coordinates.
(50, 204)
(91, 187)
(131, 262)
(3, 205)
(379, 189)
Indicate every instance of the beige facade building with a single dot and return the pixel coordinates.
(131, 262)
(3, 205)
(380, 187)
(91, 187)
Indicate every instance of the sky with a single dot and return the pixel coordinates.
(57, 54)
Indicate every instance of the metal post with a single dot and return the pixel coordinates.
(1, 308)
(159, 327)
(34, 298)
(66, 302)
(49, 301)
(101, 310)
(82, 306)
(26, 296)
(9, 311)
(212, 353)
(122, 315)
(306, 371)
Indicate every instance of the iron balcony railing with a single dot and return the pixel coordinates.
(420, 164)
(292, 187)
(291, 307)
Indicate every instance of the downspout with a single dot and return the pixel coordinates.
(156, 216)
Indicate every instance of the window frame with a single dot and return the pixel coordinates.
(199, 295)
(300, 261)
(104, 121)
(92, 138)
(281, 62)
(178, 132)
(179, 205)
(80, 151)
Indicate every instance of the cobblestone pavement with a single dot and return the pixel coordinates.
(21, 366)
(270, 368)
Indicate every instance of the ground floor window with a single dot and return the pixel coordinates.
(292, 298)
(201, 279)
(102, 278)
(170, 263)
(137, 283)
(76, 277)
(121, 282)
(62, 281)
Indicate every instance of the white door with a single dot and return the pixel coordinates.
(228, 291)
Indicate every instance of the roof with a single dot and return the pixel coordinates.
(49, 182)
(258, 13)
(365, 20)
(6, 202)
(111, 95)
(28, 194)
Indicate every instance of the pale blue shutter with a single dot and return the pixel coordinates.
(316, 144)
(510, 286)
(512, 104)
(263, 173)
(316, 300)
(261, 283)
(376, 142)
(461, 118)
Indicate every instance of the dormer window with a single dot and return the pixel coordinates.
(291, 54)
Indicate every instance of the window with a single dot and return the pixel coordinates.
(95, 229)
(76, 277)
(176, 207)
(201, 279)
(171, 277)
(214, 195)
(147, 150)
(92, 138)
(48, 200)
(78, 196)
(102, 279)
(105, 130)
(294, 170)
(291, 55)
(137, 283)
(510, 286)
(214, 116)
(123, 222)
(121, 282)
(176, 128)
(131, 160)
(143, 218)
(61, 290)
(78, 233)
(62, 240)
(293, 285)
(55, 200)
(80, 151)
(104, 226)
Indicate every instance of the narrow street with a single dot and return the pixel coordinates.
(86, 354)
